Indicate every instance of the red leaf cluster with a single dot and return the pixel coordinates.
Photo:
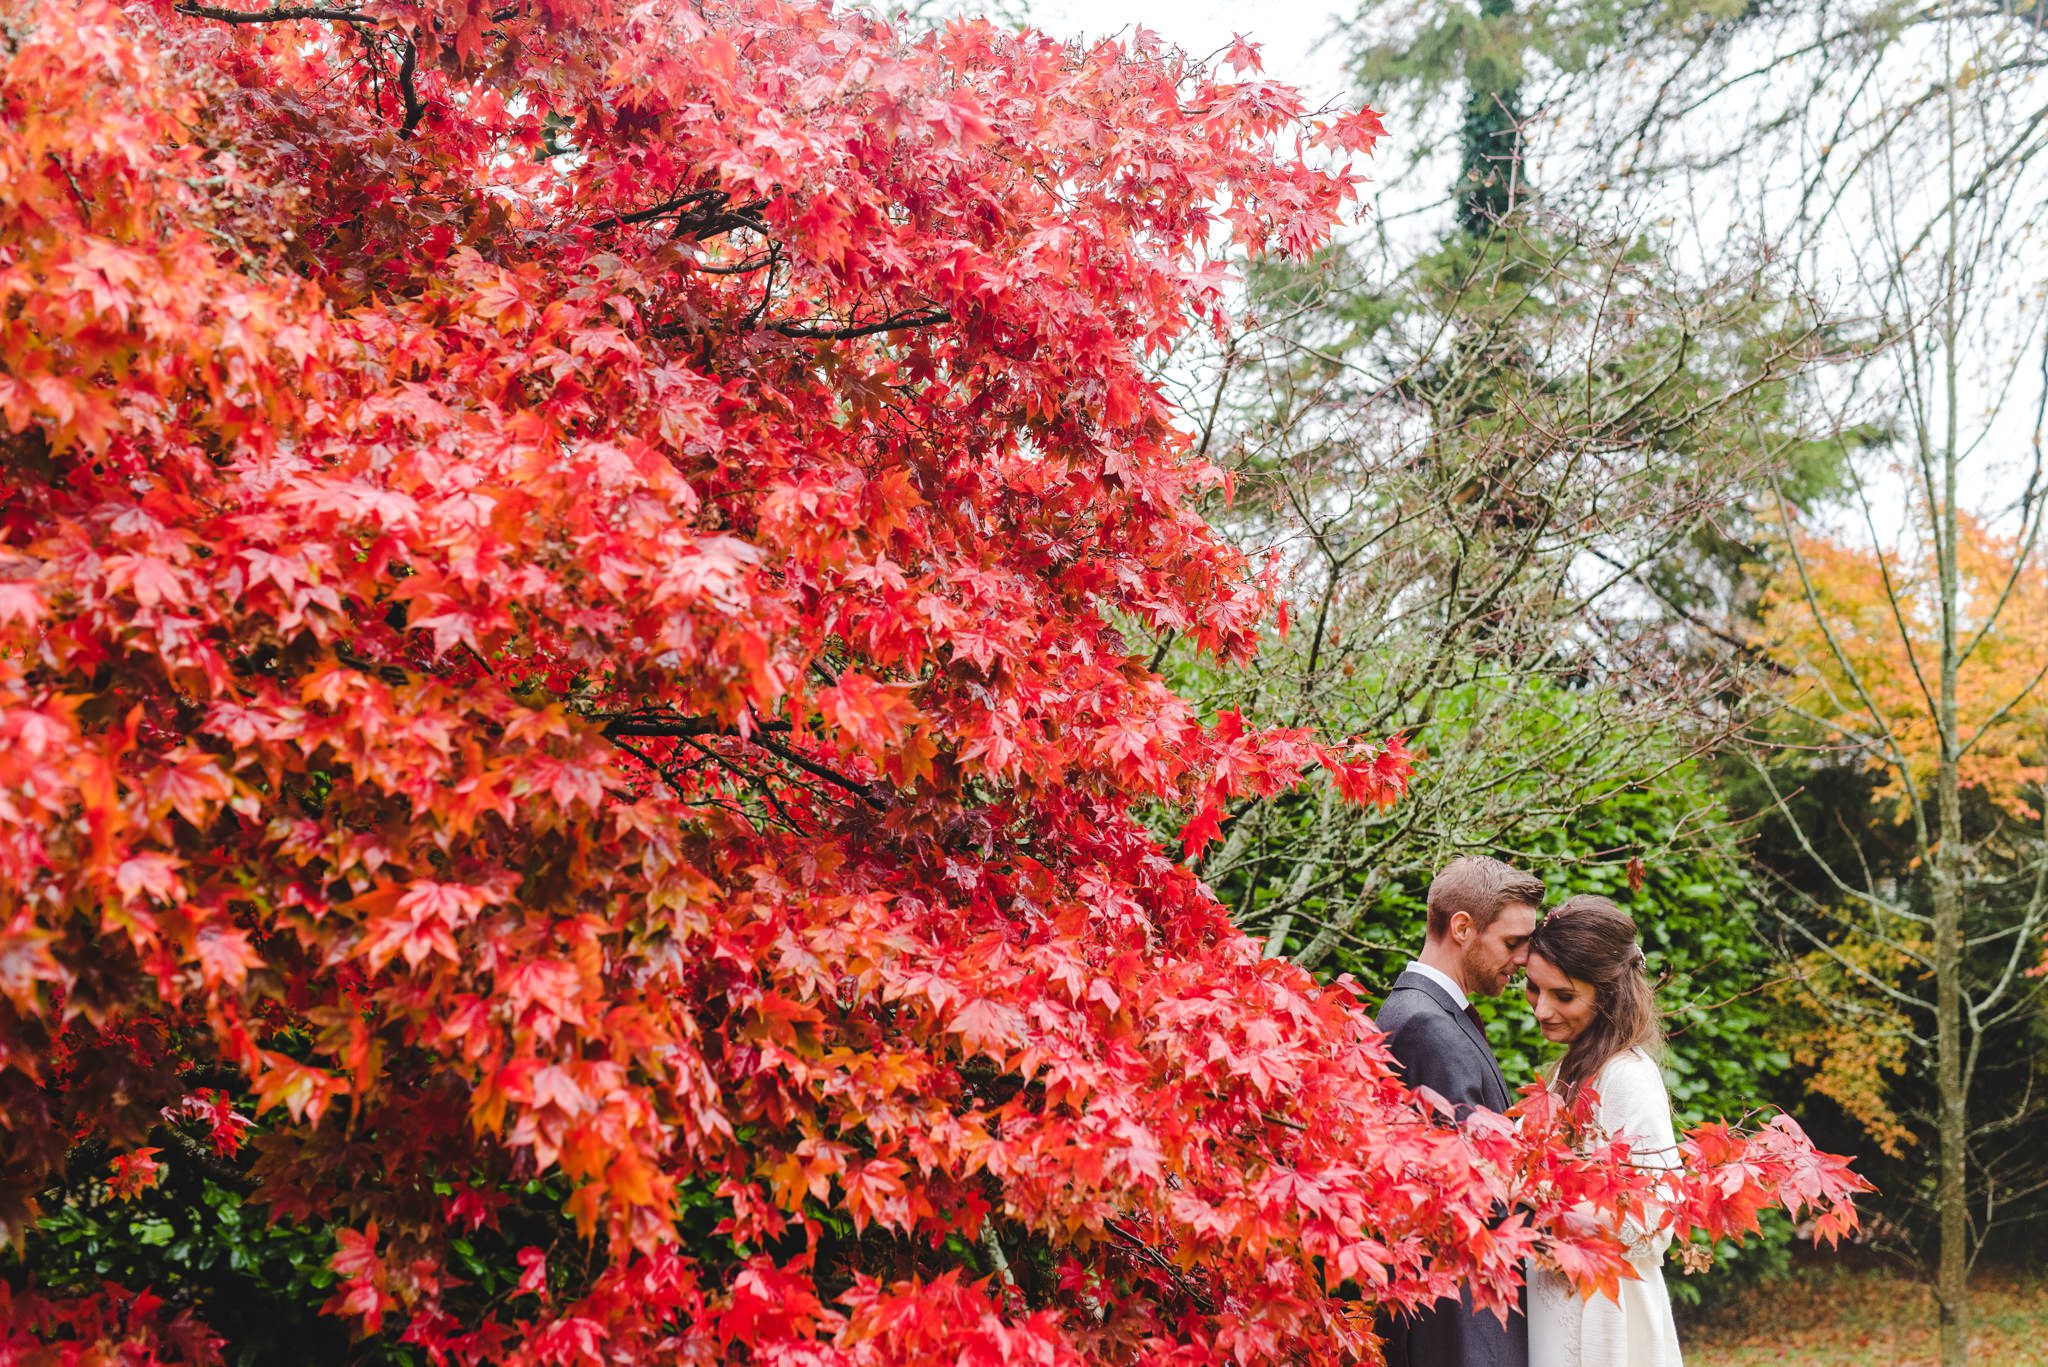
(116, 1328)
(559, 593)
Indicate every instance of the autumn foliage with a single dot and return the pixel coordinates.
(1857, 630)
(563, 682)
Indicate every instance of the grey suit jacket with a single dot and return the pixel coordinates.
(1438, 1047)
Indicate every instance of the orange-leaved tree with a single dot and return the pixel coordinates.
(564, 728)
(1863, 651)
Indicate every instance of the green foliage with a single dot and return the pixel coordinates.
(261, 1281)
(260, 1285)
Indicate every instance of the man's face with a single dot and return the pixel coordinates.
(1493, 955)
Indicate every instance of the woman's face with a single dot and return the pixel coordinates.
(1564, 1005)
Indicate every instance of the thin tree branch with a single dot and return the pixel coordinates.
(277, 15)
(898, 323)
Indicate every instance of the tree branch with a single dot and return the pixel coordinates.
(415, 108)
(276, 15)
(897, 323)
(864, 791)
(662, 210)
(192, 1152)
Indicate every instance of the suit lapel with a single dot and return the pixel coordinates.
(1471, 1028)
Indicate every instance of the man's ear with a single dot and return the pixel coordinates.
(1460, 928)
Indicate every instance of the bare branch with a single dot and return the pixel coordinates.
(897, 323)
(276, 15)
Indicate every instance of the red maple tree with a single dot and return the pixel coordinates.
(560, 584)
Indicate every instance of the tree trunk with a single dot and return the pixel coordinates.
(1951, 1126)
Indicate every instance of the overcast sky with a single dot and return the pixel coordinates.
(1286, 30)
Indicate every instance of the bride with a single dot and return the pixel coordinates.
(1590, 993)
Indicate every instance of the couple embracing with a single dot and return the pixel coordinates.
(1587, 986)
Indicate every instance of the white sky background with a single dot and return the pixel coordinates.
(1288, 31)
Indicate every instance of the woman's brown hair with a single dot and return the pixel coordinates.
(1589, 938)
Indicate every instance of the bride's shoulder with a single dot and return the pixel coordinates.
(1632, 1065)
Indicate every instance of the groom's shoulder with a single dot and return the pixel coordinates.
(1421, 1035)
(1408, 1002)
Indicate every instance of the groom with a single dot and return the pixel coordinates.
(1481, 914)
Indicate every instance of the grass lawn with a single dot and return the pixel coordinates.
(1834, 1317)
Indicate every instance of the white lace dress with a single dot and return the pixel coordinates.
(1637, 1331)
